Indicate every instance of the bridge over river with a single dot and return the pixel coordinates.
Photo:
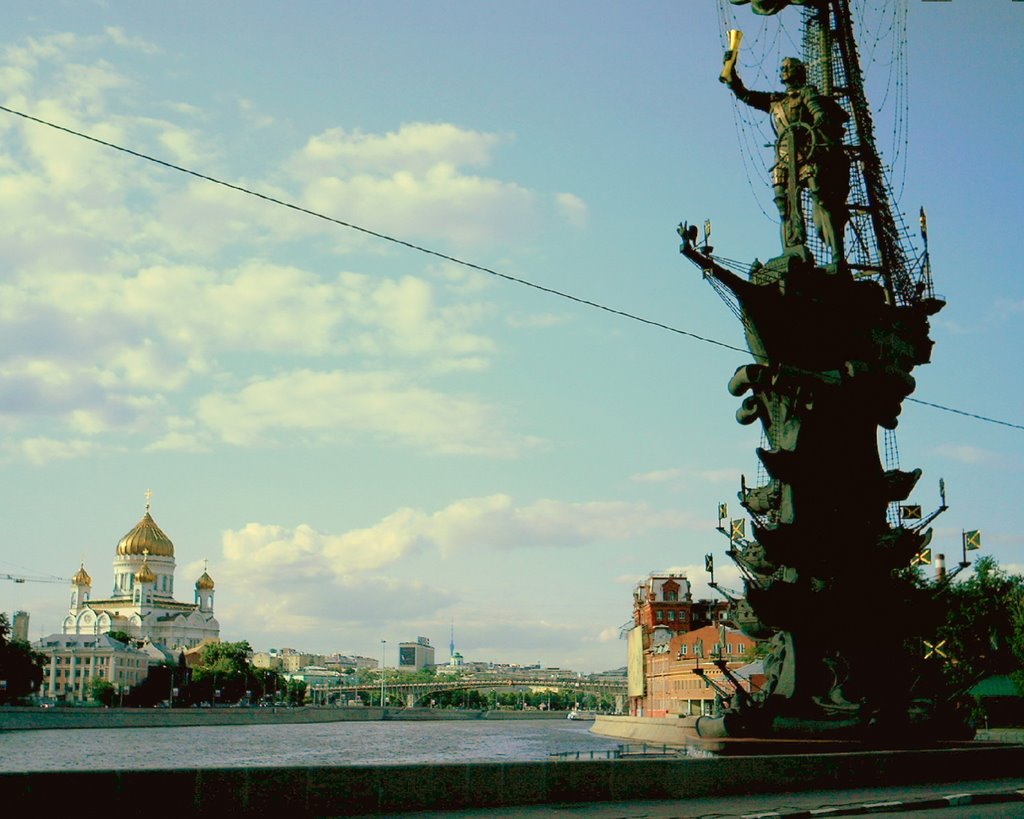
(414, 692)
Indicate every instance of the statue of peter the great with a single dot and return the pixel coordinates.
(809, 154)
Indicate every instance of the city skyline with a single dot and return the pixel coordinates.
(368, 442)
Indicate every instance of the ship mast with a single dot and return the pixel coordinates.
(877, 249)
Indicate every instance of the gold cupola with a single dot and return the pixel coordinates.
(205, 582)
(145, 574)
(146, 537)
(81, 577)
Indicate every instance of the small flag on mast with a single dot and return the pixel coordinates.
(738, 530)
(972, 540)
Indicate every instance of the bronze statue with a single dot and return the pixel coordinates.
(809, 154)
(833, 362)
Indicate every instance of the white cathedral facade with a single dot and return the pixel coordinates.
(142, 602)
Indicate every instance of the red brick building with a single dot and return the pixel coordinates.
(666, 600)
(674, 645)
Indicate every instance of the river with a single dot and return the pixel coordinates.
(334, 743)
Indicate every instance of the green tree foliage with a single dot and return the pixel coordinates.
(102, 691)
(296, 692)
(984, 625)
(21, 667)
(1017, 643)
(227, 668)
(121, 637)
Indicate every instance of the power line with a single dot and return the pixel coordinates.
(374, 233)
(437, 254)
(968, 414)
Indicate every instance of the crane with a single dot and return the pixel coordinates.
(34, 579)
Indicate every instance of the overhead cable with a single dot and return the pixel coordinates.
(437, 254)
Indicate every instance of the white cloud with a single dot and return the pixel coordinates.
(39, 451)
(681, 477)
(967, 454)
(537, 321)
(658, 476)
(409, 182)
(118, 36)
(573, 209)
(142, 303)
(491, 522)
(416, 148)
(495, 522)
(335, 405)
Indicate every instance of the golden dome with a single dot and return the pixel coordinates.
(145, 574)
(146, 537)
(204, 582)
(81, 577)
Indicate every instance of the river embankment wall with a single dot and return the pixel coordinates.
(385, 789)
(686, 732)
(27, 719)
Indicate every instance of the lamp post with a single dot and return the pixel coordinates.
(383, 646)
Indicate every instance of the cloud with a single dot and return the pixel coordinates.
(495, 522)
(411, 182)
(120, 348)
(39, 451)
(490, 522)
(118, 36)
(681, 477)
(658, 476)
(967, 454)
(416, 148)
(537, 321)
(573, 209)
(146, 309)
(336, 405)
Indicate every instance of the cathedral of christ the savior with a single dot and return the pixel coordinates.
(142, 602)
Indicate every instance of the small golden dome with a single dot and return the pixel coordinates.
(145, 574)
(146, 537)
(81, 577)
(204, 582)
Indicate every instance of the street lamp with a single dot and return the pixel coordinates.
(383, 647)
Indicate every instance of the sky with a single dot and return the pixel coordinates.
(366, 442)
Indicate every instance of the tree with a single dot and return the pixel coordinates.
(984, 625)
(102, 691)
(296, 692)
(225, 667)
(21, 667)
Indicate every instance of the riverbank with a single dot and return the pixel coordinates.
(29, 719)
(686, 732)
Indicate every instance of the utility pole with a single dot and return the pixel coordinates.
(383, 646)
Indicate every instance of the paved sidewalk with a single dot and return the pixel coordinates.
(1008, 793)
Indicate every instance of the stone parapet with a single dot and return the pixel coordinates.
(385, 789)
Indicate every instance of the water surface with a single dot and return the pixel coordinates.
(327, 743)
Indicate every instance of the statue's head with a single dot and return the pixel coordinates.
(794, 72)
